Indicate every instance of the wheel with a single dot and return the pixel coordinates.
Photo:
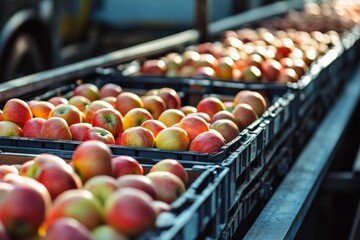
(23, 58)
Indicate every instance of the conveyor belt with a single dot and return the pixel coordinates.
(286, 210)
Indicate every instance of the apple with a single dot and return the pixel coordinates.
(17, 111)
(79, 204)
(210, 105)
(204, 72)
(154, 104)
(20, 220)
(155, 126)
(193, 125)
(123, 165)
(173, 62)
(172, 138)
(287, 75)
(135, 117)
(78, 130)
(1, 115)
(88, 90)
(54, 174)
(300, 66)
(270, 69)
(203, 115)
(40, 109)
(227, 128)
(244, 115)
(160, 206)
(5, 169)
(57, 100)
(107, 232)
(92, 158)
(129, 211)
(65, 228)
(111, 100)
(188, 109)
(153, 67)
(55, 128)
(171, 116)
(170, 97)
(253, 98)
(190, 57)
(226, 67)
(126, 101)
(168, 186)
(109, 90)
(139, 182)
(251, 74)
(80, 102)
(173, 166)
(207, 142)
(101, 186)
(223, 114)
(109, 119)
(186, 71)
(95, 106)
(138, 137)
(9, 129)
(70, 113)
(32, 128)
(99, 134)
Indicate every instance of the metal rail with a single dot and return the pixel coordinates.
(286, 210)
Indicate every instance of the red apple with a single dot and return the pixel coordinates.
(155, 126)
(270, 69)
(101, 186)
(55, 128)
(153, 67)
(123, 165)
(109, 119)
(287, 75)
(193, 125)
(111, 100)
(95, 106)
(99, 134)
(227, 128)
(223, 114)
(210, 105)
(135, 117)
(203, 115)
(88, 90)
(207, 142)
(170, 97)
(92, 158)
(173, 166)
(244, 115)
(253, 98)
(188, 109)
(17, 111)
(171, 116)
(78, 130)
(57, 100)
(32, 128)
(70, 113)
(80, 102)
(110, 90)
(126, 101)
(154, 104)
(65, 228)
(138, 137)
(20, 220)
(172, 138)
(168, 186)
(8, 128)
(137, 181)
(129, 210)
(79, 204)
(107, 232)
(40, 109)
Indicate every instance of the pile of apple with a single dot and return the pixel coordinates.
(280, 50)
(156, 119)
(93, 196)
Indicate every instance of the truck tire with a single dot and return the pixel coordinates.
(23, 58)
